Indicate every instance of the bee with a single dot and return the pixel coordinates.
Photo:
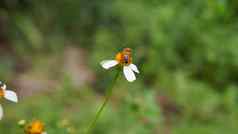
(124, 57)
(127, 55)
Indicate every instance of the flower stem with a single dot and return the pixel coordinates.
(100, 109)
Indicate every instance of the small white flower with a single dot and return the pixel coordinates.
(123, 58)
(7, 94)
(21, 122)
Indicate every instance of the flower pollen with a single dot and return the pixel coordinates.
(1, 92)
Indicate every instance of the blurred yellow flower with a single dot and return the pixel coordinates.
(124, 59)
(35, 127)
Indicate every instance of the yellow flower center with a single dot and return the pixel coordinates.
(1, 92)
(124, 57)
(35, 127)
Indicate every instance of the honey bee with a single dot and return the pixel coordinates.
(124, 57)
(127, 55)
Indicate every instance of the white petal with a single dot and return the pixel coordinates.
(129, 74)
(10, 95)
(134, 68)
(1, 112)
(109, 63)
(44, 133)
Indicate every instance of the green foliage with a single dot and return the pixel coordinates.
(185, 50)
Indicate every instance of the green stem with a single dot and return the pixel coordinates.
(99, 111)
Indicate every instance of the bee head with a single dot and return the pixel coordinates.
(127, 50)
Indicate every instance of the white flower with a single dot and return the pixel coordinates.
(123, 58)
(21, 122)
(7, 94)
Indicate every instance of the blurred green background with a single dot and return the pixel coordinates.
(187, 52)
